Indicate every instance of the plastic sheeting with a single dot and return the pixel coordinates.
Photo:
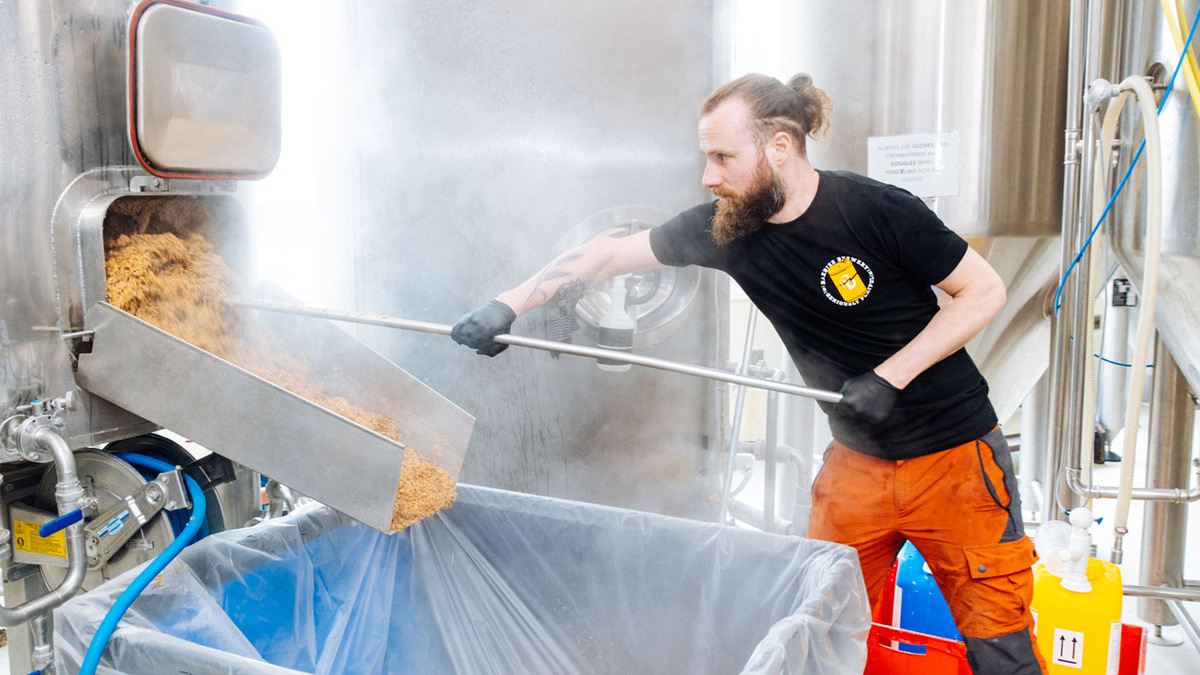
(501, 582)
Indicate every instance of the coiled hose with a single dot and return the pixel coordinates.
(95, 650)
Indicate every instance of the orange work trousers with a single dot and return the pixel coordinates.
(961, 509)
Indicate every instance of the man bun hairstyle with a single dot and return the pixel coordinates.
(815, 102)
(797, 108)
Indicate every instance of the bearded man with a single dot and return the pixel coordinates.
(843, 267)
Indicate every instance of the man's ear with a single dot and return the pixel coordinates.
(779, 147)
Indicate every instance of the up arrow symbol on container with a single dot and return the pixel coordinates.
(1069, 650)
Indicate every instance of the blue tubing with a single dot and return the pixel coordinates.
(199, 506)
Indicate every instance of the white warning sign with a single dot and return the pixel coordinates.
(924, 164)
(1068, 648)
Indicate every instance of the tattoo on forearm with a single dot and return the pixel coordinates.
(570, 291)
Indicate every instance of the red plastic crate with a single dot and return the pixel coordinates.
(1133, 650)
(941, 657)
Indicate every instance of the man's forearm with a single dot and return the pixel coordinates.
(950, 329)
(581, 269)
(566, 278)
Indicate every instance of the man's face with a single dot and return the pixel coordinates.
(729, 146)
(738, 172)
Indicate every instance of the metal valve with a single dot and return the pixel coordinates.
(18, 433)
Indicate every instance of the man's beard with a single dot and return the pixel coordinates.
(739, 214)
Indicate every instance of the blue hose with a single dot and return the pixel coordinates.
(199, 506)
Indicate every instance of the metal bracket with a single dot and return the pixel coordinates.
(211, 471)
(148, 184)
(174, 491)
(143, 183)
(79, 342)
(109, 531)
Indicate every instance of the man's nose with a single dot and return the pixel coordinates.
(712, 176)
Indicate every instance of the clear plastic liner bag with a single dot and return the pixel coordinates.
(502, 582)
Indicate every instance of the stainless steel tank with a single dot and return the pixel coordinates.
(65, 96)
(988, 74)
(484, 135)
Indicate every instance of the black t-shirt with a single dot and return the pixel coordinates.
(846, 285)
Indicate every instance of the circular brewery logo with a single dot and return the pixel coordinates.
(847, 281)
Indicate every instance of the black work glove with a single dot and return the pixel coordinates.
(868, 397)
(478, 328)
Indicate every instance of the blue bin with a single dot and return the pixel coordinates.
(501, 582)
(919, 605)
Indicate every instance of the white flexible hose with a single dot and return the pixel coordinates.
(1153, 244)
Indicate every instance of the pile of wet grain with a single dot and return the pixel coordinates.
(172, 278)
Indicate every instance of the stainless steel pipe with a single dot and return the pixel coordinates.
(1162, 592)
(1171, 495)
(1185, 621)
(1164, 528)
(735, 429)
(544, 345)
(1057, 443)
(770, 455)
(1170, 446)
(69, 495)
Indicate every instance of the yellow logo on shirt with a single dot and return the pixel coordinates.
(851, 278)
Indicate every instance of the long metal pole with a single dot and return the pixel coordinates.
(1075, 428)
(1057, 392)
(1167, 458)
(770, 457)
(739, 409)
(545, 345)
(1161, 592)
(1185, 620)
(1074, 317)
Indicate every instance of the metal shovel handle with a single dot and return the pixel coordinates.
(545, 345)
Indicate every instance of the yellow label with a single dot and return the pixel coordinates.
(26, 537)
(845, 276)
